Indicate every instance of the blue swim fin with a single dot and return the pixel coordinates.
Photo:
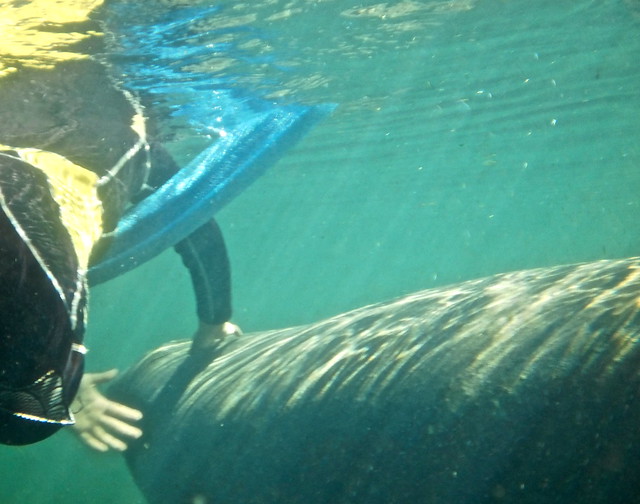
(164, 54)
(204, 186)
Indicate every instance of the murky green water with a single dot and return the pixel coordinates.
(471, 137)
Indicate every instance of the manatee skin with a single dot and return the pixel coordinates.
(518, 388)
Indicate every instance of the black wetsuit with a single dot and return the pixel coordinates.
(62, 116)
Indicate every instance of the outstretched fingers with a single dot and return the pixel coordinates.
(103, 424)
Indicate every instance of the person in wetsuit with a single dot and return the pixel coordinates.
(76, 151)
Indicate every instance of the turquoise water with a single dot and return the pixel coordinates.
(471, 137)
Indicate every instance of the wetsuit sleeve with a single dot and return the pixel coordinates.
(205, 255)
(203, 252)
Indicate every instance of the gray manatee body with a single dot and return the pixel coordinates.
(521, 388)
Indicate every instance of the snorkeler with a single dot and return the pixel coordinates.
(76, 151)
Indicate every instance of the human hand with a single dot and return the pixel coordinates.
(103, 424)
(231, 329)
(210, 336)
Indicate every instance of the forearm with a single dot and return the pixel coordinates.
(204, 254)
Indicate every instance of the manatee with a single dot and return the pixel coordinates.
(520, 387)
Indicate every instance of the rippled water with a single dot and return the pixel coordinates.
(471, 137)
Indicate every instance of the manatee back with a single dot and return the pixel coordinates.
(521, 387)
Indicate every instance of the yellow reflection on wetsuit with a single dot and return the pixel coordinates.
(74, 189)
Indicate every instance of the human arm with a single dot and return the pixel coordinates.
(205, 255)
(103, 424)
